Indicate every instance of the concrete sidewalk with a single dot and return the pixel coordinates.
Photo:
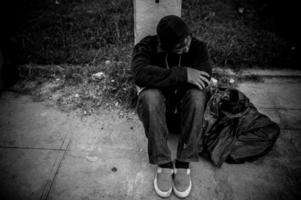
(47, 154)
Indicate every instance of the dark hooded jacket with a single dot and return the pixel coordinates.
(154, 67)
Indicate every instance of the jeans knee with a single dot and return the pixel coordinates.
(151, 99)
(196, 98)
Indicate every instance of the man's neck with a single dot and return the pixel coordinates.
(159, 49)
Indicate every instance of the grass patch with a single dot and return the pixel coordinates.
(239, 33)
(64, 42)
(72, 87)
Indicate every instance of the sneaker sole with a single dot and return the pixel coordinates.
(183, 194)
(159, 192)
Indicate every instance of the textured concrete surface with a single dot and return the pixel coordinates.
(148, 13)
(47, 154)
(28, 124)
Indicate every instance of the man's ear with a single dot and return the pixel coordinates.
(161, 46)
(159, 41)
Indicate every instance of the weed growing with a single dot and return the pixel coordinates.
(77, 52)
(72, 87)
(89, 32)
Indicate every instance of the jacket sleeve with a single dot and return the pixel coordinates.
(148, 75)
(200, 58)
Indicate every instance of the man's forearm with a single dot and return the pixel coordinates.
(154, 76)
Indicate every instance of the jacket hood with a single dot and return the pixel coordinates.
(171, 30)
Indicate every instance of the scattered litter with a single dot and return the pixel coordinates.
(98, 76)
(107, 62)
(86, 148)
(92, 158)
(231, 80)
(43, 114)
(76, 95)
(241, 10)
(213, 81)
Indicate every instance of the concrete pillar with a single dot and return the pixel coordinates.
(147, 14)
(1, 70)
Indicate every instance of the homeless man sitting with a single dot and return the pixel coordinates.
(172, 70)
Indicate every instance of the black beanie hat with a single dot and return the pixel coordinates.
(171, 30)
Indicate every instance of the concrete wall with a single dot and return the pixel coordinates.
(1, 70)
(147, 14)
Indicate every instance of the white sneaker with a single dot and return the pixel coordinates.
(182, 182)
(163, 182)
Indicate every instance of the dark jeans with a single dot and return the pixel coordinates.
(155, 107)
